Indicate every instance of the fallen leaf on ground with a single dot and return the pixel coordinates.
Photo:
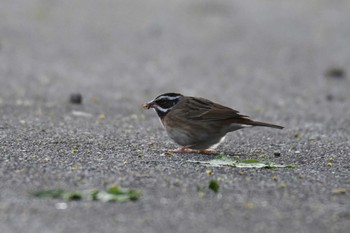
(225, 160)
(113, 193)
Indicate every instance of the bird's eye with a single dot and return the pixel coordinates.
(164, 103)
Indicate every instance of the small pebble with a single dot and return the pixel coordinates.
(335, 72)
(330, 97)
(102, 116)
(277, 154)
(76, 98)
(61, 205)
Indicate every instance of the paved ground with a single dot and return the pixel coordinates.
(281, 62)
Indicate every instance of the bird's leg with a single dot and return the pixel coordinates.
(185, 149)
(208, 151)
(182, 150)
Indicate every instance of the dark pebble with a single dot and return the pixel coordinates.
(277, 154)
(336, 73)
(76, 98)
(330, 97)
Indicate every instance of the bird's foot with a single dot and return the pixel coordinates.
(208, 151)
(189, 150)
(182, 150)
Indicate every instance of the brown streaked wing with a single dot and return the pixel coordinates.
(206, 110)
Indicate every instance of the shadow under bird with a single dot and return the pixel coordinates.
(198, 124)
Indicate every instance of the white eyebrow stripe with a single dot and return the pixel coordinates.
(168, 97)
(162, 109)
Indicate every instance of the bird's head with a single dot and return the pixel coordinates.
(162, 104)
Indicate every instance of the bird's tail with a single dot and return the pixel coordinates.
(258, 123)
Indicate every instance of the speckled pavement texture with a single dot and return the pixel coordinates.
(284, 62)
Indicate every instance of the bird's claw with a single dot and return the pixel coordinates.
(189, 150)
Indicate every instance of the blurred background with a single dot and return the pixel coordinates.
(246, 54)
(284, 62)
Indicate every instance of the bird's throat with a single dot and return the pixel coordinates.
(161, 112)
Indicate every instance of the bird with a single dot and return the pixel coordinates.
(198, 124)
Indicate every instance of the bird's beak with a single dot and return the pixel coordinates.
(148, 105)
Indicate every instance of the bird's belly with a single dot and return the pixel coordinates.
(180, 136)
(194, 140)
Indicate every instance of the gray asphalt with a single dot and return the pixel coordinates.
(284, 62)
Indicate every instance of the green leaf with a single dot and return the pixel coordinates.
(113, 193)
(250, 161)
(118, 195)
(94, 194)
(73, 196)
(225, 160)
(114, 190)
(53, 193)
(213, 185)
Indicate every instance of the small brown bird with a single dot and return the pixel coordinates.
(198, 124)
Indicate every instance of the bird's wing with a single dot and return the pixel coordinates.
(201, 109)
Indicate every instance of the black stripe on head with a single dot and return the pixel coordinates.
(163, 103)
(170, 94)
